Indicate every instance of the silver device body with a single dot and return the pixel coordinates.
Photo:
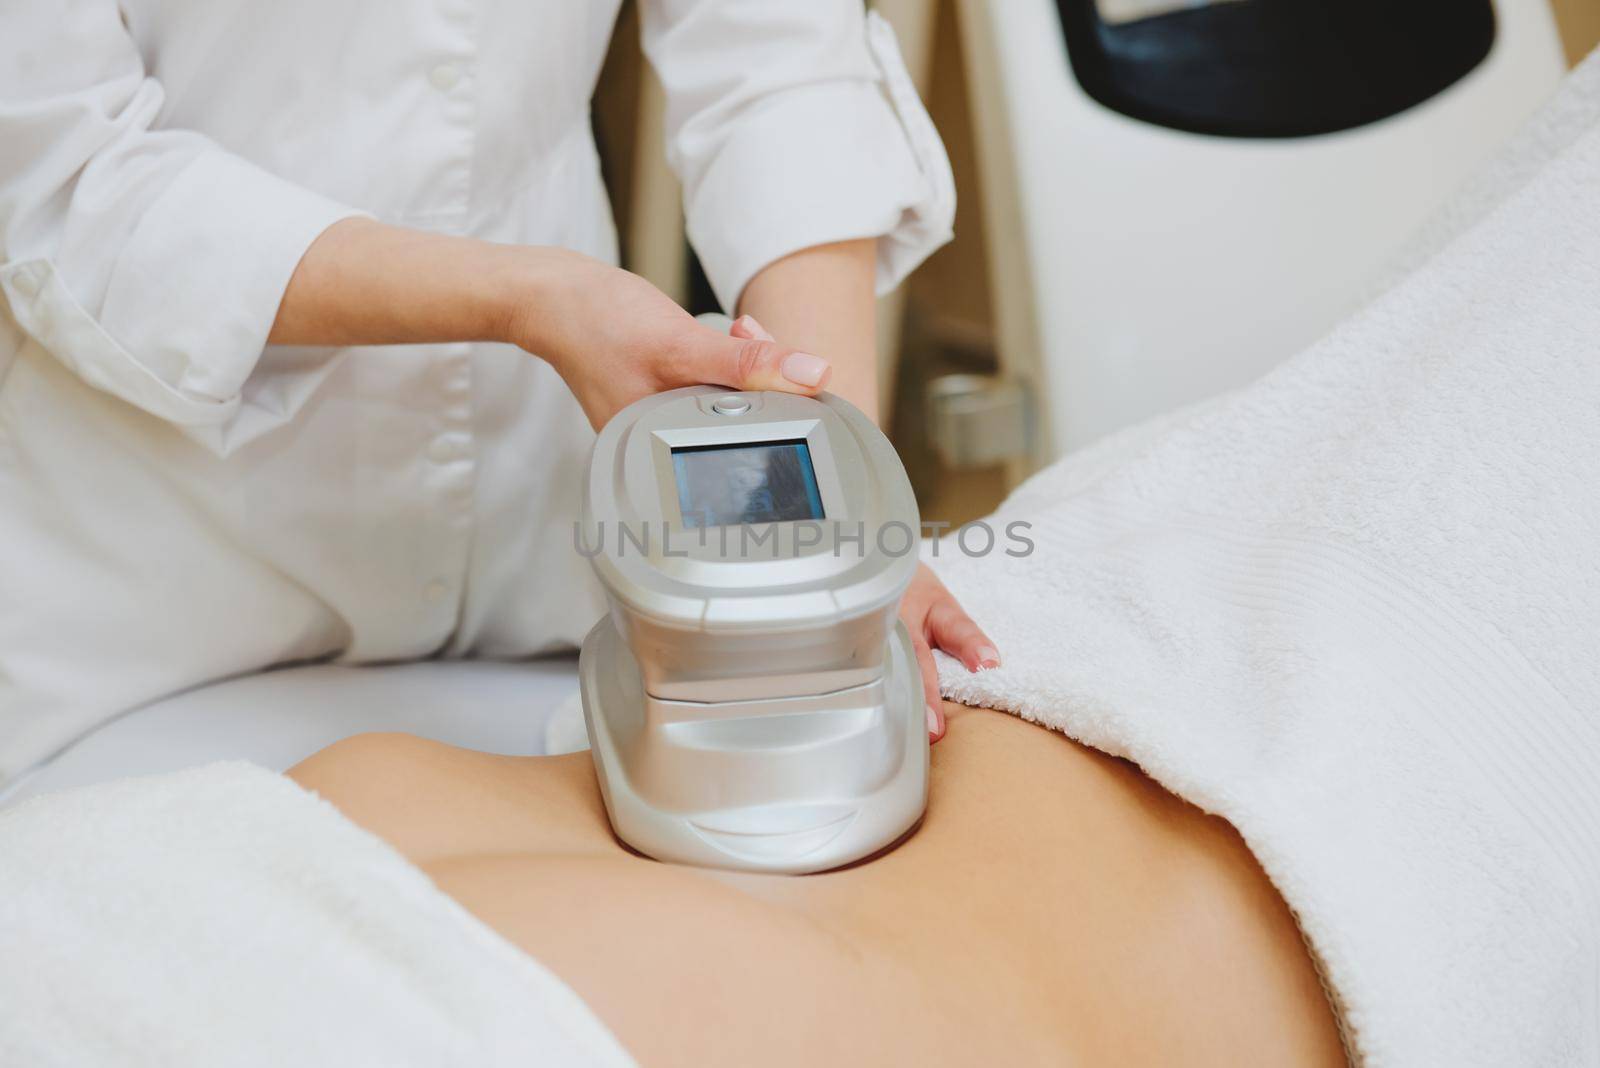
(752, 700)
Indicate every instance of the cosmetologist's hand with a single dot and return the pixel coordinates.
(615, 338)
(936, 620)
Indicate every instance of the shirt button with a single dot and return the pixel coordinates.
(25, 282)
(443, 450)
(435, 591)
(444, 77)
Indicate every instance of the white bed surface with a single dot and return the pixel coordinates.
(278, 718)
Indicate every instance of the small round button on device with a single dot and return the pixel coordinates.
(730, 406)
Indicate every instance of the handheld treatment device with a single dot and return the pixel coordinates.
(752, 699)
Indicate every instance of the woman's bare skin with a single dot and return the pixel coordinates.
(1055, 907)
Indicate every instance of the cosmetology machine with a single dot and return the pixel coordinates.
(752, 699)
(1179, 194)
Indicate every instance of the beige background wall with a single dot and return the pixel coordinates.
(1580, 26)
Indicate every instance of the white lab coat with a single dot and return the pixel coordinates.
(179, 503)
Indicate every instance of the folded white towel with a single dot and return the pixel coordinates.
(1355, 609)
(224, 916)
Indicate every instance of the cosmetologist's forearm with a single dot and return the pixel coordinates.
(367, 283)
(822, 300)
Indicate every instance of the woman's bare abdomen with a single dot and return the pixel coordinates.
(1054, 907)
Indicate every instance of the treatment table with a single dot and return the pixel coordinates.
(278, 718)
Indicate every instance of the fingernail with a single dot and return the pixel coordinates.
(935, 723)
(754, 328)
(988, 657)
(804, 369)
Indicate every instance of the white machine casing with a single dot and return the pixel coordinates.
(751, 699)
(1138, 268)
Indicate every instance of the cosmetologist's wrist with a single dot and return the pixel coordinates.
(539, 299)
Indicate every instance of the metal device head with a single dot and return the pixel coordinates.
(752, 700)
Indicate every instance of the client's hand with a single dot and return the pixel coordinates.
(615, 338)
(936, 620)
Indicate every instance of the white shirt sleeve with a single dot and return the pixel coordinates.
(793, 125)
(151, 262)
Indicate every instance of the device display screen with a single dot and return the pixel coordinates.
(769, 482)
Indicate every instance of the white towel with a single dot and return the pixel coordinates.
(1355, 610)
(224, 916)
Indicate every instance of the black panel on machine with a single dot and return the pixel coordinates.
(1276, 68)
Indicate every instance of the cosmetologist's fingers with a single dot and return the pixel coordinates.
(750, 363)
(746, 327)
(951, 629)
(930, 686)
